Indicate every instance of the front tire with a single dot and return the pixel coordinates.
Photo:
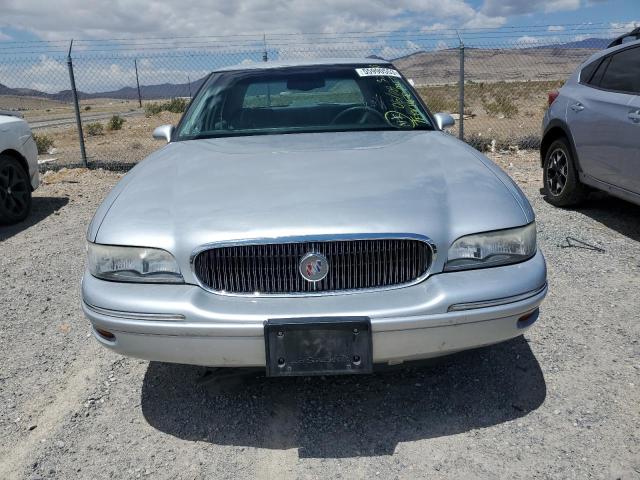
(562, 186)
(15, 191)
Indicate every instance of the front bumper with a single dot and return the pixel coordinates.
(186, 324)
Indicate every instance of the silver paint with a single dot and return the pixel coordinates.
(192, 195)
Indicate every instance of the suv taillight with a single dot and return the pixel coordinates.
(552, 96)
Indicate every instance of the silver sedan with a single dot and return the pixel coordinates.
(311, 218)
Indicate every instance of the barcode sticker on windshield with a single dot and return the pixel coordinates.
(377, 72)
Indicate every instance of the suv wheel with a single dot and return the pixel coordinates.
(15, 191)
(561, 185)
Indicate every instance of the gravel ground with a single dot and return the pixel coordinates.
(562, 402)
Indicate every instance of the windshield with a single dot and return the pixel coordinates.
(303, 99)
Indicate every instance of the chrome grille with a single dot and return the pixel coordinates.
(272, 268)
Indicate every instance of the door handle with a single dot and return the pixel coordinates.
(634, 116)
(577, 107)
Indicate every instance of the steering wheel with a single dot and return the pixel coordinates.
(363, 108)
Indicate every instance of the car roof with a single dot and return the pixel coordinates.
(253, 65)
(635, 33)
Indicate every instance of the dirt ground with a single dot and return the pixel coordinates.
(562, 402)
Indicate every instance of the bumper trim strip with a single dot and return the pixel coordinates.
(134, 315)
(458, 307)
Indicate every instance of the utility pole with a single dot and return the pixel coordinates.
(189, 84)
(135, 64)
(72, 80)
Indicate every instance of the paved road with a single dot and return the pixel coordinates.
(71, 120)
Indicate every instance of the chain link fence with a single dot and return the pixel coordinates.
(125, 88)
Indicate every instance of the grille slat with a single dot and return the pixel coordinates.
(273, 268)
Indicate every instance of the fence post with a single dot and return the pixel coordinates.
(461, 92)
(265, 54)
(135, 64)
(72, 80)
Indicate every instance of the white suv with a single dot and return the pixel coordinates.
(18, 168)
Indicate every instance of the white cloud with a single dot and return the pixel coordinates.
(51, 75)
(63, 19)
(481, 20)
(4, 36)
(436, 27)
(527, 41)
(555, 28)
(521, 7)
(625, 27)
(44, 73)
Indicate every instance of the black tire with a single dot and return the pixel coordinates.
(562, 186)
(15, 191)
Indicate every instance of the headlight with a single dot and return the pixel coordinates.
(491, 249)
(132, 264)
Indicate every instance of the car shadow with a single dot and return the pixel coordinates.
(41, 208)
(346, 416)
(612, 212)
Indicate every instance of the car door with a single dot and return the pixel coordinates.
(633, 168)
(602, 118)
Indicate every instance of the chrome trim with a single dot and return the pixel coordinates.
(496, 302)
(133, 315)
(316, 238)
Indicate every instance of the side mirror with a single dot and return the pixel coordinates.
(163, 132)
(444, 120)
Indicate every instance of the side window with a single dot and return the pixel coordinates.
(623, 72)
(587, 72)
(597, 76)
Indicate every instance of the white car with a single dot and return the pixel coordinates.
(18, 168)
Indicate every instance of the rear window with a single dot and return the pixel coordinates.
(587, 72)
(619, 72)
(623, 72)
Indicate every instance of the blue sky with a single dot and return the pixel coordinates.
(91, 19)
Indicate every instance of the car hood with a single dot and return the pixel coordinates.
(200, 191)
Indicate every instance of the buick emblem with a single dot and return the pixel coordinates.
(314, 267)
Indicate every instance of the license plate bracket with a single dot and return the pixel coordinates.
(318, 346)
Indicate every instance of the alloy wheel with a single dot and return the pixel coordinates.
(557, 171)
(14, 191)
